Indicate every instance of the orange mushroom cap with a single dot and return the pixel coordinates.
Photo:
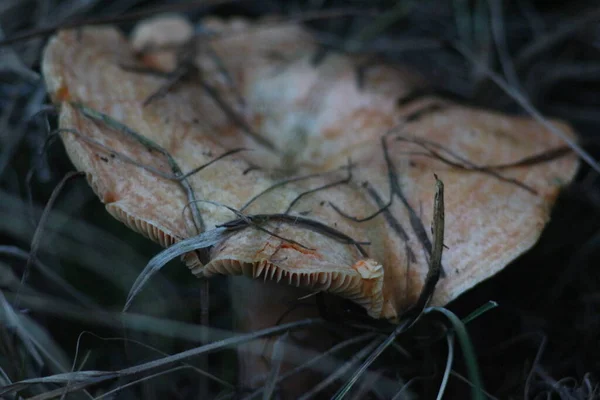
(355, 145)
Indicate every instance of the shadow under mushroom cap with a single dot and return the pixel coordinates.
(357, 146)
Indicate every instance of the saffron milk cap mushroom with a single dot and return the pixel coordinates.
(335, 190)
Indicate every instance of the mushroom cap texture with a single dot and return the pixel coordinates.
(320, 117)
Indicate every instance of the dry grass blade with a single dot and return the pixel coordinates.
(499, 33)
(448, 369)
(58, 280)
(155, 351)
(469, 354)
(36, 338)
(88, 378)
(322, 362)
(96, 247)
(276, 359)
(435, 262)
(564, 31)
(374, 354)
(465, 380)
(150, 145)
(450, 158)
(202, 241)
(141, 380)
(342, 370)
(11, 320)
(279, 185)
(9, 61)
(311, 363)
(528, 107)
(37, 236)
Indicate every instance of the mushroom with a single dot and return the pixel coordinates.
(335, 193)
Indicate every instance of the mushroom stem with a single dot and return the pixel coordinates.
(258, 305)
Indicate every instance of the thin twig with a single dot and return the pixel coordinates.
(344, 181)
(317, 226)
(39, 231)
(119, 127)
(564, 31)
(340, 371)
(529, 108)
(84, 379)
(435, 262)
(281, 184)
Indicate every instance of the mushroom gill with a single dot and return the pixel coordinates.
(362, 284)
